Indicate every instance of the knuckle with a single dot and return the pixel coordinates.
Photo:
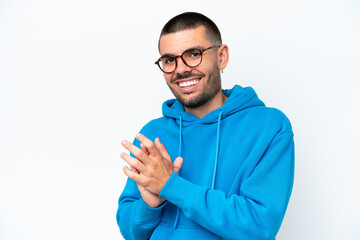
(146, 182)
(150, 145)
(134, 163)
(152, 166)
(155, 165)
(151, 174)
(142, 155)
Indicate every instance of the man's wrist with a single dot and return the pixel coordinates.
(163, 200)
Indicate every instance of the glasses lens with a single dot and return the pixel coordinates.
(167, 64)
(192, 57)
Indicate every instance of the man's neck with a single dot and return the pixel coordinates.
(211, 105)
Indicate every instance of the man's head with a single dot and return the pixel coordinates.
(192, 75)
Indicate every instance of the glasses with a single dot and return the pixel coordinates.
(191, 58)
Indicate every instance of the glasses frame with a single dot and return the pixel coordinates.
(181, 56)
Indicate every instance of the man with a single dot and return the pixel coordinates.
(218, 164)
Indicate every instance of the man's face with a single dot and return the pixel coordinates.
(192, 86)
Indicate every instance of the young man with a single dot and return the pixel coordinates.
(218, 164)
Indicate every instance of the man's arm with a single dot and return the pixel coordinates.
(135, 218)
(256, 213)
(139, 214)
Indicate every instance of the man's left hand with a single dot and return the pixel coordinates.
(154, 168)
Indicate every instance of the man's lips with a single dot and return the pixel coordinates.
(186, 77)
(184, 80)
(188, 84)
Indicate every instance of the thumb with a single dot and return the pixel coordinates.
(177, 164)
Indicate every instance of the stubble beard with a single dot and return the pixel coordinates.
(210, 89)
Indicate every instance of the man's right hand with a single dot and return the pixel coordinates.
(151, 199)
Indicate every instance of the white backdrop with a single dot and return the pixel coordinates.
(77, 77)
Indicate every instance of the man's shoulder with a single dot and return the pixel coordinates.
(269, 117)
(154, 125)
(270, 112)
(156, 121)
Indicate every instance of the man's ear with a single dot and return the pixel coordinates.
(223, 56)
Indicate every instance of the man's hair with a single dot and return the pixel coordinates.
(191, 20)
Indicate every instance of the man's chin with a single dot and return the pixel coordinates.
(189, 99)
(192, 103)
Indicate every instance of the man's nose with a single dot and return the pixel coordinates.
(181, 66)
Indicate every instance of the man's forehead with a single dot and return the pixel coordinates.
(176, 43)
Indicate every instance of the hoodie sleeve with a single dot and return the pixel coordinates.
(257, 212)
(135, 219)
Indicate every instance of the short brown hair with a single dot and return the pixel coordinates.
(190, 20)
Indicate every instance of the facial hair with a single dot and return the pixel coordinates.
(210, 89)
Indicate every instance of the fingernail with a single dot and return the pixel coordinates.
(138, 135)
(123, 142)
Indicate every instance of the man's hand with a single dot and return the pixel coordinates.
(151, 199)
(151, 168)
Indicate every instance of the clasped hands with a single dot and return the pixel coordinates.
(150, 168)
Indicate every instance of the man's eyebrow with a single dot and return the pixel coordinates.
(168, 55)
(191, 48)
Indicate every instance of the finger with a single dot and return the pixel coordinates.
(132, 175)
(135, 170)
(140, 187)
(133, 162)
(150, 146)
(177, 164)
(144, 149)
(138, 153)
(162, 149)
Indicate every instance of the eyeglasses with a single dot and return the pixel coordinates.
(191, 58)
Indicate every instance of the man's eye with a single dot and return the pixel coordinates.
(194, 54)
(169, 60)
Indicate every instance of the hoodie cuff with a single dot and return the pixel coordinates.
(181, 192)
(147, 215)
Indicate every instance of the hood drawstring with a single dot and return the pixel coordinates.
(180, 148)
(180, 135)
(217, 150)
(216, 155)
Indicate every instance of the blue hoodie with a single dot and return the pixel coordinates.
(236, 178)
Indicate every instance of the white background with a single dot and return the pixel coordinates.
(77, 77)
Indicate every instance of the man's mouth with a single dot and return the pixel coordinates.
(188, 83)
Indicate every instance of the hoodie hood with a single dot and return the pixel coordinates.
(239, 98)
